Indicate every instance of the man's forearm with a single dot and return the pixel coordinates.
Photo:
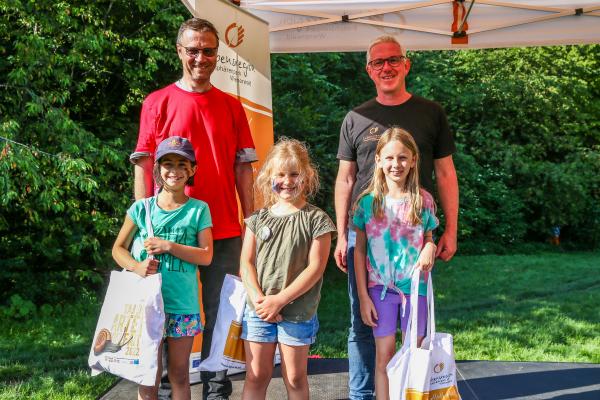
(343, 193)
(447, 184)
(143, 181)
(344, 183)
(244, 181)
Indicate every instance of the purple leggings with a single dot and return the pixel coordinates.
(391, 308)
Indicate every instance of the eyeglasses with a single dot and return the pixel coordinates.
(393, 61)
(195, 52)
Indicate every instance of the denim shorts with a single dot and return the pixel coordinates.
(290, 333)
(181, 325)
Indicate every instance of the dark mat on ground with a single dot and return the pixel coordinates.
(477, 380)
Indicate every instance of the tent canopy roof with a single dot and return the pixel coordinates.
(334, 25)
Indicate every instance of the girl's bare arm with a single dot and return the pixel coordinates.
(367, 308)
(201, 255)
(427, 256)
(247, 267)
(122, 256)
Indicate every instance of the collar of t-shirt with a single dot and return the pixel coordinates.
(181, 86)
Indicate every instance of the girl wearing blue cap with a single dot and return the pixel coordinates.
(182, 241)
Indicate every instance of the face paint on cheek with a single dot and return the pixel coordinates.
(275, 186)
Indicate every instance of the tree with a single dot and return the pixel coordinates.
(72, 77)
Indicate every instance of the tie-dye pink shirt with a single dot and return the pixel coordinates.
(394, 244)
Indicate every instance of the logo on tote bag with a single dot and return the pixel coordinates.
(128, 323)
(437, 368)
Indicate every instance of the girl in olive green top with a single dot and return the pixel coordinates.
(285, 251)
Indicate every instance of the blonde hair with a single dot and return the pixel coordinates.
(378, 186)
(384, 39)
(286, 154)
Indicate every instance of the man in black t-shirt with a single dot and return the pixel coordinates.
(388, 66)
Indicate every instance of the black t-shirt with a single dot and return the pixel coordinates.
(425, 120)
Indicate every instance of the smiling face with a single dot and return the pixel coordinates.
(287, 183)
(389, 81)
(396, 161)
(197, 70)
(175, 171)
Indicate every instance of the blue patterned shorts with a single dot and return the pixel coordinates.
(181, 325)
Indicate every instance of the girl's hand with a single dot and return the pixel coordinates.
(268, 307)
(427, 257)
(156, 245)
(146, 267)
(368, 313)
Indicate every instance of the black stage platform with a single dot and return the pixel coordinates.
(478, 380)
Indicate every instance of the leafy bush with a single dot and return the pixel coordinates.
(73, 76)
(530, 115)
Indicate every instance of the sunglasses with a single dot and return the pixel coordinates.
(195, 52)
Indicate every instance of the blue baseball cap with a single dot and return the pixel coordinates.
(176, 145)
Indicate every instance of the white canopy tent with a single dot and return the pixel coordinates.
(335, 25)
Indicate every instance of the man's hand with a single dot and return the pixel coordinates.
(341, 253)
(446, 246)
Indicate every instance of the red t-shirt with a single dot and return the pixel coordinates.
(216, 125)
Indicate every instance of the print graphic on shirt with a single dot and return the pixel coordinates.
(175, 235)
(373, 135)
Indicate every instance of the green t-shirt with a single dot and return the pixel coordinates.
(282, 249)
(182, 225)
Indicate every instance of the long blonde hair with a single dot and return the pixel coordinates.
(378, 186)
(286, 154)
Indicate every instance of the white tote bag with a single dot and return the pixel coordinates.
(228, 328)
(130, 327)
(428, 372)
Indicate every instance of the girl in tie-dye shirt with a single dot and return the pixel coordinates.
(393, 220)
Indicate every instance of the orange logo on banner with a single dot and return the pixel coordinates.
(234, 37)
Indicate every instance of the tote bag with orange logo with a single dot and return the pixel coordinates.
(428, 372)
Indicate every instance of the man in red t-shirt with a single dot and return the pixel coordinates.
(216, 125)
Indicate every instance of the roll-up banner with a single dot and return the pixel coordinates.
(244, 71)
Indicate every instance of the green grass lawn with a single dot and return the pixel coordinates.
(45, 357)
(542, 307)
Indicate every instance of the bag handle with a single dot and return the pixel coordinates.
(148, 221)
(412, 329)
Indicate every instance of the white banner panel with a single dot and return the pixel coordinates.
(244, 62)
